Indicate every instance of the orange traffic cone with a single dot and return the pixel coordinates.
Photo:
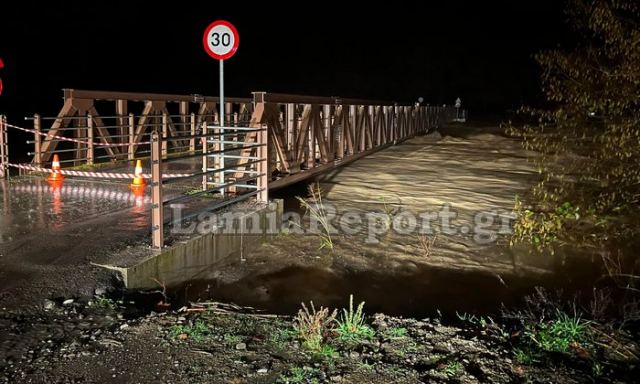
(138, 180)
(55, 167)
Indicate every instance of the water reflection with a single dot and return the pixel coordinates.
(31, 204)
(56, 204)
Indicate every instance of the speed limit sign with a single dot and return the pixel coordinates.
(221, 40)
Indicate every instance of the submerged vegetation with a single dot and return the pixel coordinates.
(316, 209)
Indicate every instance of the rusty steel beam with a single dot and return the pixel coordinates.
(143, 97)
(57, 128)
(301, 99)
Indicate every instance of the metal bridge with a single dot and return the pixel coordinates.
(261, 143)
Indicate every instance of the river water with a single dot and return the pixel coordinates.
(467, 265)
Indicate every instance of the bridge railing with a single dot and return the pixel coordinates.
(90, 140)
(310, 134)
(268, 142)
(117, 134)
(225, 152)
(306, 131)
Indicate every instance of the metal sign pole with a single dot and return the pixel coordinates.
(221, 121)
(220, 41)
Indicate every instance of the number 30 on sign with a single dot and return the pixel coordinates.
(221, 40)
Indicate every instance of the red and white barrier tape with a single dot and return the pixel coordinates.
(103, 175)
(75, 140)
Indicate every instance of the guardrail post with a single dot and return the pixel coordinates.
(90, 154)
(328, 135)
(192, 141)
(205, 162)
(415, 120)
(353, 123)
(130, 148)
(165, 132)
(37, 140)
(425, 119)
(362, 112)
(395, 125)
(371, 118)
(262, 166)
(432, 118)
(157, 207)
(290, 136)
(340, 130)
(4, 148)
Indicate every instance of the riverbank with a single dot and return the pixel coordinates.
(96, 342)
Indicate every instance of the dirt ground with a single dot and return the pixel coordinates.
(84, 342)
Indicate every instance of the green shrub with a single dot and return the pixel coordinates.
(587, 140)
(351, 325)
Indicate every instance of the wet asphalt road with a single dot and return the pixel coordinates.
(50, 233)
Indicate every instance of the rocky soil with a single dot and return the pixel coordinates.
(97, 342)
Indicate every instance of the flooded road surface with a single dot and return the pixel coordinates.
(473, 173)
(51, 232)
(32, 205)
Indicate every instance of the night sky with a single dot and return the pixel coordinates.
(477, 50)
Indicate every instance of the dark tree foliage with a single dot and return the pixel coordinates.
(588, 139)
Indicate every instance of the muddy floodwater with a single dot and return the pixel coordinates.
(473, 173)
(50, 236)
(50, 233)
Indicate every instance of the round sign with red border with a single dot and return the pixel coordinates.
(221, 40)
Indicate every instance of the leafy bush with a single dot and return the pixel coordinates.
(588, 138)
(542, 228)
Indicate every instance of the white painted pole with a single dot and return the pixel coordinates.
(221, 121)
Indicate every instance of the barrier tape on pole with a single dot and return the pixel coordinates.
(103, 175)
(75, 140)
